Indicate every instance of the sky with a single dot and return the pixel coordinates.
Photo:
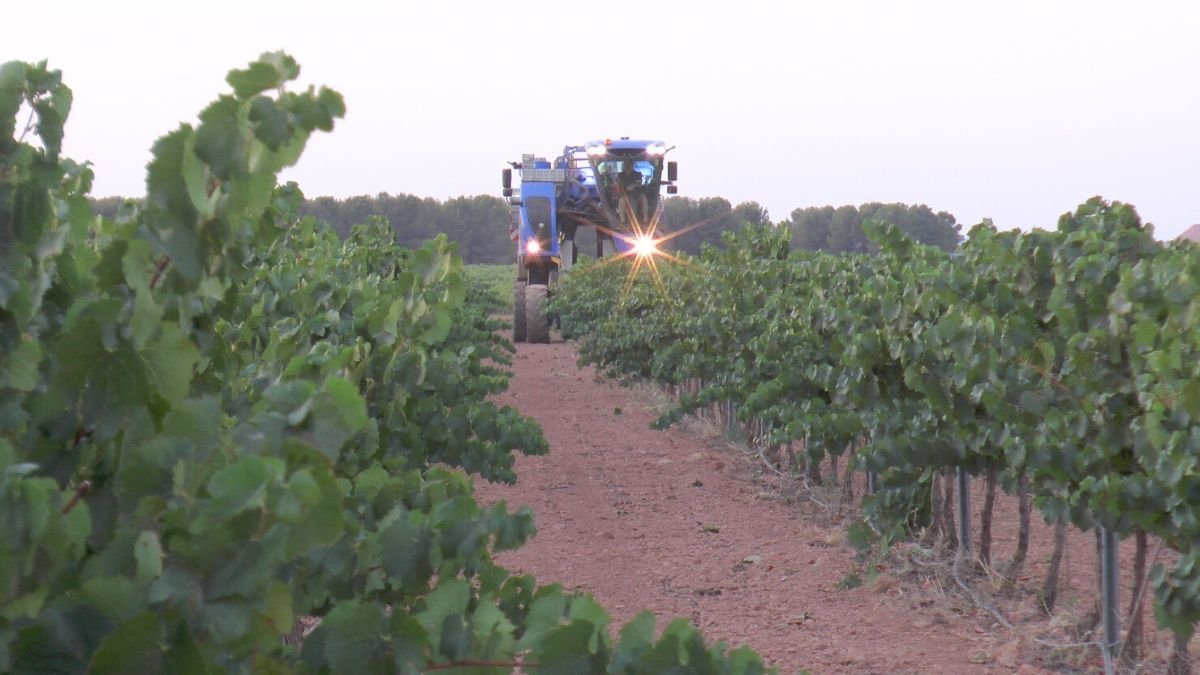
(1016, 111)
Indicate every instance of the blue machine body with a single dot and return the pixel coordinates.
(539, 216)
(583, 187)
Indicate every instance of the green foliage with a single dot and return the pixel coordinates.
(217, 415)
(495, 280)
(1069, 358)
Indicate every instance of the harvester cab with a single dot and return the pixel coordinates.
(612, 186)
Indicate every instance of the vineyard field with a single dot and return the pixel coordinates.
(217, 416)
(222, 423)
(1061, 366)
(688, 522)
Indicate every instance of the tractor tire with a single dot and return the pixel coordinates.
(537, 321)
(519, 311)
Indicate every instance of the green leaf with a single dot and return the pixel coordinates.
(256, 78)
(406, 549)
(134, 647)
(271, 125)
(108, 373)
(226, 621)
(270, 71)
(51, 244)
(567, 650)
(170, 360)
(250, 568)
(176, 585)
(636, 638)
(450, 598)
(1181, 626)
(455, 638)
(52, 115)
(26, 606)
(279, 607)
(352, 632)
(860, 536)
(20, 367)
(370, 481)
(167, 190)
(220, 141)
(1145, 334)
(334, 107)
(136, 263)
(347, 402)
(147, 316)
(583, 607)
(1190, 399)
(37, 494)
(184, 656)
(40, 648)
(492, 631)
(197, 181)
(148, 553)
(118, 598)
(241, 486)
(186, 251)
(12, 95)
(408, 642)
(338, 412)
(546, 613)
(21, 468)
(81, 348)
(196, 422)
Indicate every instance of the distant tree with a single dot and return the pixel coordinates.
(483, 225)
(107, 206)
(701, 220)
(825, 228)
(846, 232)
(479, 224)
(707, 218)
(752, 213)
(811, 227)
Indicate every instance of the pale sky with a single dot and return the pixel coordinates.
(1014, 110)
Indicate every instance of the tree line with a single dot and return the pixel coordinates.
(480, 224)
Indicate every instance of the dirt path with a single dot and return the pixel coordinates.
(668, 521)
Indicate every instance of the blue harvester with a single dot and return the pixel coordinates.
(611, 185)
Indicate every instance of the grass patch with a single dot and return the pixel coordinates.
(497, 278)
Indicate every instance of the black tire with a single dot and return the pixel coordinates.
(537, 321)
(518, 311)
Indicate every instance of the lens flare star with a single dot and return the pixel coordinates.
(645, 247)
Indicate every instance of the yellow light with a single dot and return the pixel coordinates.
(645, 245)
(532, 246)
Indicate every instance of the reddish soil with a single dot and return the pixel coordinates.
(681, 523)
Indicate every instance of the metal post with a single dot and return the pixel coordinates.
(872, 482)
(1109, 580)
(964, 510)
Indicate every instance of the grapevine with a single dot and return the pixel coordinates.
(1061, 362)
(216, 416)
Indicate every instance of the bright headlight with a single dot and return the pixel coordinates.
(645, 245)
(596, 151)
(532, 246)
